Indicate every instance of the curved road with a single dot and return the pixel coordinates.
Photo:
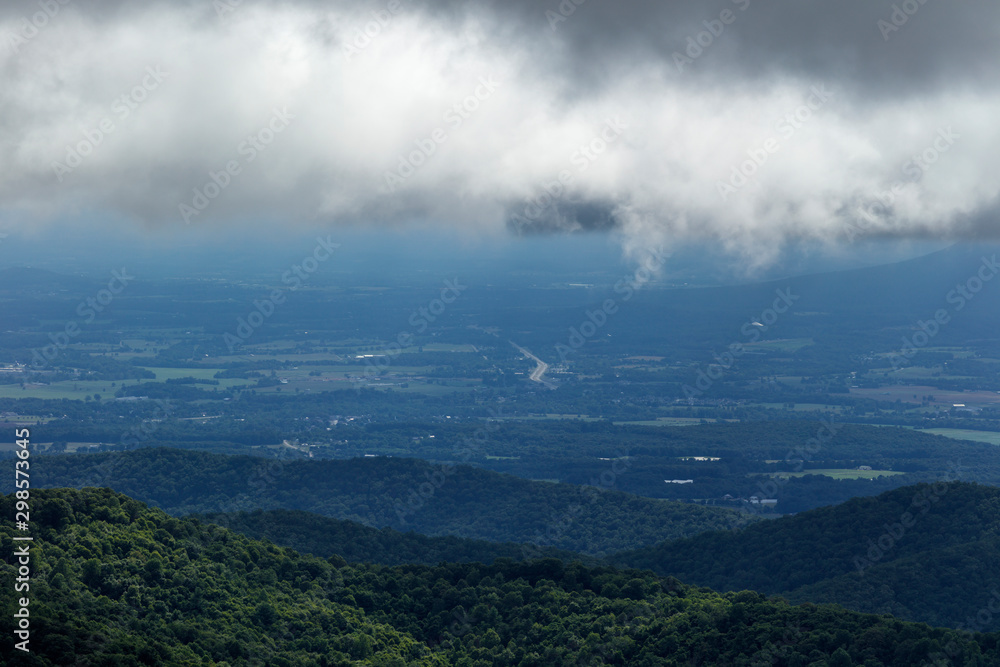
(538, 374)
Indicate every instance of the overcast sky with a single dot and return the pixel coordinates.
(742, 122)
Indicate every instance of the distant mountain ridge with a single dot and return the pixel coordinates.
(356, 543)
(124, 584)
(929, 552)
(405, 494)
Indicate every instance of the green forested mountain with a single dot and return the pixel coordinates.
(957, 586)
(400, 493)
(925, 552)
(322, 536)
(116, 583)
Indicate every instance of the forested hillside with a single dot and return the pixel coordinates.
(400, 493)
(322, 536)
(926, 552)
(117, 583)
(946, 585)
(956, 586)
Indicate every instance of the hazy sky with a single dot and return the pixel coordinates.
(740, 122)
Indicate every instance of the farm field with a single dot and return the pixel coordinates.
(915, 394)
(845, 473)
(991, 437)
(663, 421)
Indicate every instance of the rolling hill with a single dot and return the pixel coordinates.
(926, 552)
(325, 537)
(116, 582)
(404, 494)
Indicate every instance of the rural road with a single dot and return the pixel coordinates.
(537, 375)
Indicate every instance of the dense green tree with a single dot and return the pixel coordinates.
(219, 598)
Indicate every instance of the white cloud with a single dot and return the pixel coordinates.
(354, 120)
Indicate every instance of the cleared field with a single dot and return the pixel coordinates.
(33, 419)
(80, 389)
(804, 407)
(915, 394)
(536, 417)
(71, 447)
(991, 437)
(781, 345)
(335, 382)
(163, 374)
(664, 421)
(438, 389)
(845, 473)
(443, 347)
(57, 390)
(921, 373)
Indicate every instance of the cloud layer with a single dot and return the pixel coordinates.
(746, 122)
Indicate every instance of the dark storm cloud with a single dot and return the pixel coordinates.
(748, 122)
(882, 47)
(876, 46)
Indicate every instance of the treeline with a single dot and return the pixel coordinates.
(325, 537)
(405, 494)
(929, 552)
(120, 584)
(635, 459)
(126, 585)
(581, 452)
(946, 576)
